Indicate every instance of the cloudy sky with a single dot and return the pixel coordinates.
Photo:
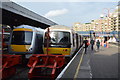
(67, 12)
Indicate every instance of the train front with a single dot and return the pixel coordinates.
(57, 43)
(21, 41)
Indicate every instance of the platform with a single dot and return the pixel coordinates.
(94, 64)
(77, 67)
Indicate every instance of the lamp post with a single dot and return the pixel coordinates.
(96, 28)
(114, 26)
(101, 23)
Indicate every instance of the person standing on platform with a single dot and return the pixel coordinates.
(92, 44)
(98, 44)
(86, 45)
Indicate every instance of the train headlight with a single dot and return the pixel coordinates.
(12, 49)
(47, 49)
(30, 49)
(65, 50)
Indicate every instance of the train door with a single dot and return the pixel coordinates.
(79, 40)
(73, 46)
(77, 43)
(38, 43)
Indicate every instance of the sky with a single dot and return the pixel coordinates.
(67, 13)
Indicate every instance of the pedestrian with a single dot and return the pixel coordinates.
(86, 45)
(98, 44)
(92, 44)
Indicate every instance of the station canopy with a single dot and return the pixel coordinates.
(15, 15)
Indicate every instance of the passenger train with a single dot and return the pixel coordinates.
(5, 35)
(61, 40)
(26, 39)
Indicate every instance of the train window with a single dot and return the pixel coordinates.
(6, 40)
(6, 37)
(28, 37)
(59, 38)
(22, 37)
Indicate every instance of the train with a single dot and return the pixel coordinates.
(26, 39)
(5, 35)
(61, 40)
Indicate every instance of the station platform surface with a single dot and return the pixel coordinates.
(102, 63)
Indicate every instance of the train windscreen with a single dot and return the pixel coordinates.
(58, 39)
(21, 37)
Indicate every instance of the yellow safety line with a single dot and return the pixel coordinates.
(77, 70)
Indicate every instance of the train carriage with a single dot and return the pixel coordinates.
(62, 40)
(26, 39)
